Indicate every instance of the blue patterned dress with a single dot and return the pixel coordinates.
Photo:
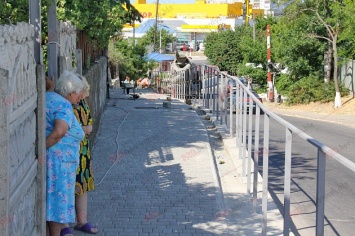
(62, 160)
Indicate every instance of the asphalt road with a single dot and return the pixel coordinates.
(340, 189)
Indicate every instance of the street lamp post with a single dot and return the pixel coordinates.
(156, 25)
(160, 41)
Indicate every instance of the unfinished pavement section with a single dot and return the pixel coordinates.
(344, 119)
(155, 174)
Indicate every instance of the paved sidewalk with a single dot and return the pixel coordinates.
(344, 119)
(156, 174)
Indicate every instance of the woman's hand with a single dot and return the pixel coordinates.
(87, 129)
(50, 84)
(60, 129)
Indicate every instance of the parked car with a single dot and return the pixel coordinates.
(234, 96)
(233, 83)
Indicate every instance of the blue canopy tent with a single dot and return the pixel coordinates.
(143, 28)
(156, 56)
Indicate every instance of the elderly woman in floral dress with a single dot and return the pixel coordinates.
(84, 173)
(64, 134)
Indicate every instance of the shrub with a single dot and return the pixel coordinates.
(312, 89)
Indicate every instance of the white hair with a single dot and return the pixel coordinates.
(86, 85)
(67, 83)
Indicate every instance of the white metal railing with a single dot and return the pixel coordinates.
(212, 93)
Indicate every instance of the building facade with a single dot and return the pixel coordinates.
(191, 23)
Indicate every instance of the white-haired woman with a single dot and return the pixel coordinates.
(64, 135)
(84, 173)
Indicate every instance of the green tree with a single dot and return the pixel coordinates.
(232, 50)
(108, 18)
(129, 59)
(13, 11)
(292, 47)
(99, 19)
(166, 38)
(346, 42)
(222, 49)
(326, 21)
(253, 48)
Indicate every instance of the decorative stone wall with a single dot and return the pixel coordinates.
(67, 42)
(22, 123)
(18, 130)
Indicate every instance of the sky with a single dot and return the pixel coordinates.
(168, 1)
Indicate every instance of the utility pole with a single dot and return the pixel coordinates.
(134, 32)
(247, 12)
(156, 25)
(269, 74)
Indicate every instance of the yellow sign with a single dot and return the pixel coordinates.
(200, 10)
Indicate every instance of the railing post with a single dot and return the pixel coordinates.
(208, 88)
(217, 98)
(265, 173)
(238, 121)
(231, 107)
(287, 182)
(189, 84)
(200, 84)
(180, 83)
(321, 164)
(225, 81)
(214, 92)
(250, 129)
(256, 158)
(244, 130)
(186, 85)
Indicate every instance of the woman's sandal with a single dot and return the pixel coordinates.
(66, 231)
(87, 228)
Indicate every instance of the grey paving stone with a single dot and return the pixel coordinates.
(154, 173)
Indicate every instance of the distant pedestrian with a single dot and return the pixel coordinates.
(184, 47)
(145, 83)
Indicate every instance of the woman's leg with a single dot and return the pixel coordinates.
(81, 205)
(47, 229)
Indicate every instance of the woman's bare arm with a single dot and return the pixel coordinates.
(60, 129)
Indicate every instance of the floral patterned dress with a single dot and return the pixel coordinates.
(62, 160)
(84, 173)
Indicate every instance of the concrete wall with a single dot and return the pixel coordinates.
(96, 75)
(22, 124)
(22, 169)
(97, 78)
